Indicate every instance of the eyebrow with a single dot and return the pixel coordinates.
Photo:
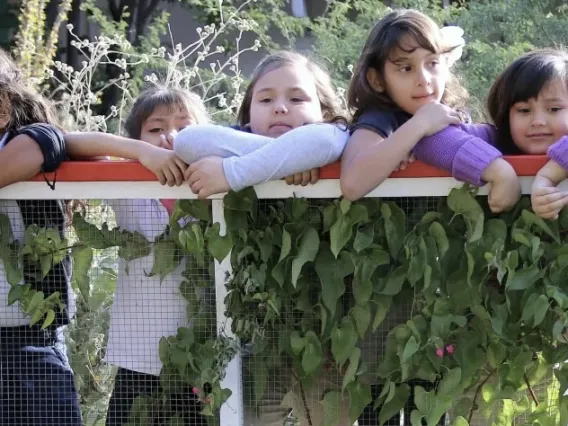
(554, 99)
(400, 60)
(163, 119)
(155, 119)
(290, 89)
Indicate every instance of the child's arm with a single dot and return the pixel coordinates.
(39, 147)
(370, 158)
(547, 200)
(250, 159)
(467, 152)
(163, 163)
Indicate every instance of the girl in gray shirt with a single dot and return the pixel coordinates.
(288, 123)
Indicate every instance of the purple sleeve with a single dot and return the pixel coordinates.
(465, 151)
(559, 152)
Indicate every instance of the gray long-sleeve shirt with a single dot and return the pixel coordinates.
(251, 159)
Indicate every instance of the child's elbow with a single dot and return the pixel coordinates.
(350, 188)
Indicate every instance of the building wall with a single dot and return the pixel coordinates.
(183, 25)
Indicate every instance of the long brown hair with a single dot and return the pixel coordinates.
(329, 101)
(385, 38)
(22, 104)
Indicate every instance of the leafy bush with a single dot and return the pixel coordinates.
(506, 304)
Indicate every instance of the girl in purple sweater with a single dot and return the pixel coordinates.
(403, 91)
(529, 105)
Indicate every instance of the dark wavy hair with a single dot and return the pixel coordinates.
(169, 97)
(520, 81)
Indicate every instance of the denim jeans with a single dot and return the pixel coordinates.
(36, 381)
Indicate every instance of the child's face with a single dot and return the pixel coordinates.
(164, 121)
(283, 99)
(537, 123)
(416, 78)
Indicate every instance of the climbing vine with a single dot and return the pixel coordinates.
(312, 281)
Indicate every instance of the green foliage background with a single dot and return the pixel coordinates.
(506, 304)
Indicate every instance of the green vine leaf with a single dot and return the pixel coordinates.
(342, 230)
(10, 255)
(359, 397)
(166, 259)
(198, 209)
(343, 340)
(363, 238)
(82, 260)
(361, 315)
(394, 402)
(352, 368)
(394, 282)
(462, 203)
(410, 349)
(365, 266)
(217, 245)
(312, 356)
(332, 402)
(383, 305)
(331, 274)
(308, 247)
(394, 221)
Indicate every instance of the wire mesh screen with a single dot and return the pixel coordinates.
(127, 334)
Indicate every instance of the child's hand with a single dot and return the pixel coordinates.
(166, 165)
(206, 177)
(404, 163)
(309, 176)
(434, 116)
(505, 189)
(546, 199)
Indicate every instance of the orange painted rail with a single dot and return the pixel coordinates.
(121, 171)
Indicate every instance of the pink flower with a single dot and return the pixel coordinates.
(440, 352)
(450, 349)
(195, 391)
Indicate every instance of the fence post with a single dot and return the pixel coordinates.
(232, 411)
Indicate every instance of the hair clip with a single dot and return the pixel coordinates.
(452, 36)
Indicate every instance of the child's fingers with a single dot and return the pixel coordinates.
(196, 187)
(306, 177)
(412, 158)
(177, 175)
(552, 215)
(203, 194)
(191, 175)
(170, 179)
(289, 179)
(314, 175)
(542, 191)
(181, 164)
(555, 206)
(298, 177)
(161, 177)
(550, 198)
